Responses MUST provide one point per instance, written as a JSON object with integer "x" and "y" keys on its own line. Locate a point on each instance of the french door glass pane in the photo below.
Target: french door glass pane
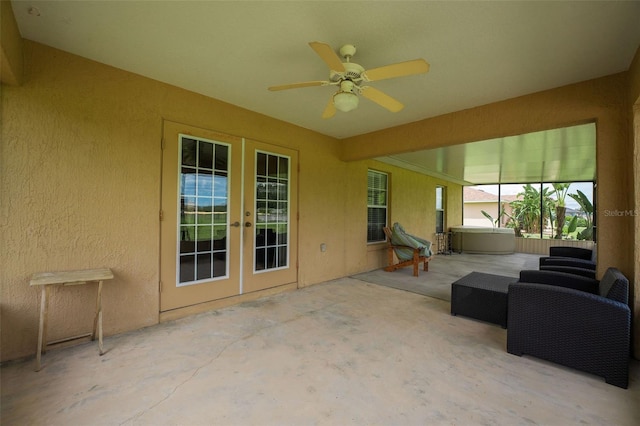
{"x": 203, "y": 208}
{"x": 272, "y": 212}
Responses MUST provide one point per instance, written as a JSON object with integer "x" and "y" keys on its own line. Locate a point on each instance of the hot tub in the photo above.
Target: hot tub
{"x": 483, "y": 240}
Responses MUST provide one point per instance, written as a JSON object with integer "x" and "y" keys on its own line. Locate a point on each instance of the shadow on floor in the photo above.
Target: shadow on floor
{"x": 444, "y": 270}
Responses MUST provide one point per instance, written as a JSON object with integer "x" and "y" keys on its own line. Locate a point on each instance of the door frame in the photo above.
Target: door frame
{"x": 246, "y": 287}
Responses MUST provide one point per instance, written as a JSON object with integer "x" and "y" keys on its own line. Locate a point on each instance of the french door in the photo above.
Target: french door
{"x": 228, "y": 216}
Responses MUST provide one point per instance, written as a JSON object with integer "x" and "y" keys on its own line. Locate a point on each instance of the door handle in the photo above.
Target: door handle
{"x": 235, "y": 224}
{"x": 247, "y": 224}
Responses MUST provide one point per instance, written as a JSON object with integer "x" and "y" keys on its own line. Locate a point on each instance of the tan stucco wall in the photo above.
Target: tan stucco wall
{"x": 80, "y": 183}
{"x": 411, "y": 203}
{"x": 634, "y": 103}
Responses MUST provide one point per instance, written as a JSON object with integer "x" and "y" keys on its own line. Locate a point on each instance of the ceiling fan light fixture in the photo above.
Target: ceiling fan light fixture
{"x": 345, "y": 101}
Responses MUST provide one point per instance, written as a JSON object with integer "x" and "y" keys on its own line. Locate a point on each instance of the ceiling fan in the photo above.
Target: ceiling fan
{"x": 349, "y": 76}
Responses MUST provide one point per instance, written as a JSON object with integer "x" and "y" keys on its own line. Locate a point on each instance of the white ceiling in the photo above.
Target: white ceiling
{"x": 480, "y": 52}
{"x": 558, "y": 155}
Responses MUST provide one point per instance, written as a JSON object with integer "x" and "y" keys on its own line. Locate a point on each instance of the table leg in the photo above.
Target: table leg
{"x": 42, "y": 331}
{"x": 97, "y": 321}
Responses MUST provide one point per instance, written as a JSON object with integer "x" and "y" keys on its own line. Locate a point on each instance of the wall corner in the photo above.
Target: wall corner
{"x": 11, "y": 49}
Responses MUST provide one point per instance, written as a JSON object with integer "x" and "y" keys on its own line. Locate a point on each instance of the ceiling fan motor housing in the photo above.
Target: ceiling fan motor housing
{"x": 347, "y": 86}
{"x": 352, "y": 71}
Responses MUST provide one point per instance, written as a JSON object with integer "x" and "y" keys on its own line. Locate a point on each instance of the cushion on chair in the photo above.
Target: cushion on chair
{"x": 567, "y": 261}
{"x": 589, "y": 273}
{"x": 615, "y": 286}
{"x": 426, "y": 243}
{"x": 398, "y": 228}
{"x": 560, "y": 279}
{"x": 400, "y": 238}
{"x": 574, "y": 252}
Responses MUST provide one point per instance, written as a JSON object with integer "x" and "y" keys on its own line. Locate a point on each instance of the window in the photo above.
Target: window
{"x": 377, "y": 190}
{"x": 272, "y": 211}
{"x": 204, "y": 186}
{"x": 551, "y": 210}
{"x": 440, "y": 193}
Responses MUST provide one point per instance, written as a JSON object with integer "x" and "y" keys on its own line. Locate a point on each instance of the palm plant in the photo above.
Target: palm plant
{"x": 531, "y": 207}
{"x": 560, "y": 189}
{"x": 494, "y": 222}
{"x": 513, "y": 221}
{"x": 587, "y": 208}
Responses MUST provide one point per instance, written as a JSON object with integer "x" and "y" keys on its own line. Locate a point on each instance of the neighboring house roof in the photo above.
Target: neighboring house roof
{"x": 472, "y": 195}
{"x": 510, "y": 197}
{"x": 477, "y": 195}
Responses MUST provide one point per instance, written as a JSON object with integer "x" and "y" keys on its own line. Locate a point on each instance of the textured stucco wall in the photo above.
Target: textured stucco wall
{"x": 412, "y": 203}
{"x": 80, "y": 184}
{"x": 79, "y": 167}
{"x": 636, "y": 287}
{"x": 634, "y": 111}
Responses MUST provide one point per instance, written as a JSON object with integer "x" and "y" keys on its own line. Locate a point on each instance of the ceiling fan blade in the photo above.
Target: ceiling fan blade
{"x": 299, "y": 85}
{"x": 328, "y": 55}
{"x": 330, "y": 110}
{"x": 401, "y": 69}
{"x": 381, "y": 98}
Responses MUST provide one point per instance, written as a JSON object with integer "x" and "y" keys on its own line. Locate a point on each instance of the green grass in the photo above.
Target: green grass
{"x": 571, "y": 236}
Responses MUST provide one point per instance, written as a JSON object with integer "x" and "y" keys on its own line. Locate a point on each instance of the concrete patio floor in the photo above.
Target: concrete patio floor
{"x": 341, "y": 352}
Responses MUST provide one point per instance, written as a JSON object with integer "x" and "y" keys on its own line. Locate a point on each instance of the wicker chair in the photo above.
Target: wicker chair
{"x": 570, "y": 256}
{"x": 557, "y": 317}
{"x": 574, "y": 260}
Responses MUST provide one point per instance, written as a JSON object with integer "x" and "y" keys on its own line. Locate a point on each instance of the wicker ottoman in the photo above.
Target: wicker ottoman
{"x": 481, "y": 296}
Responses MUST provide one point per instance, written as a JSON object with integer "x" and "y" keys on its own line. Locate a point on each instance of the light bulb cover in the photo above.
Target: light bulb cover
{"x": 345, "y": 101}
